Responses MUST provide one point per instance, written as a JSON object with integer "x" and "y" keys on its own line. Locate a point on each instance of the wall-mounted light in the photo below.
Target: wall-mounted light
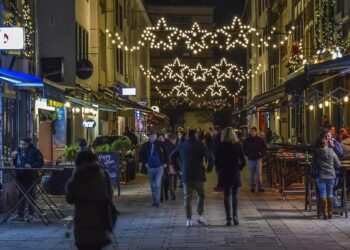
{"x": 326, "y": 103}
{"x": 67, "y": 105}
{"x": 320, "y": 105}
{"x": 346, "y": 99}
{"x": 278, "y": 118}
{"x": 311, "y": 107}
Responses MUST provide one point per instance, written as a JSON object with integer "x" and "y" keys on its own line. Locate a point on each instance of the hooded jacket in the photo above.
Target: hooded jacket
{"x": 88, "y": 190}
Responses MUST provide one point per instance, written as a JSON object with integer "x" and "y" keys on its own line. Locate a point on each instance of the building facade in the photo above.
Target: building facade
{"x": 290, "y": 91}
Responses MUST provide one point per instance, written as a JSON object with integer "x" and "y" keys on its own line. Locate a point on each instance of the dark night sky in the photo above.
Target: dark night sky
{"x": 225, "y": 10}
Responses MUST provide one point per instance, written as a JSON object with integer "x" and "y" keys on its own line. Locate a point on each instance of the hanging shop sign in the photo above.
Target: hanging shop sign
{"x": 89, "y": 124}
{"x": 55, "y": 104}
{"x": 84, "y": 69}
{"x": 128, "y": 91}
{"x": 11, "y": 38}
{"x": 52, "y": 68}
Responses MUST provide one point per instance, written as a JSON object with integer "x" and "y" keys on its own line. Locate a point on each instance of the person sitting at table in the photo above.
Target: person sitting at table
{"x": 326, "y": 161}
{"x": 27, "y": 156}
{"x": 346, "y": 145}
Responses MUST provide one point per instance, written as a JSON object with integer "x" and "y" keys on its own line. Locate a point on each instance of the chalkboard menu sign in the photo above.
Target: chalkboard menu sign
{"x": 110, "y": 162}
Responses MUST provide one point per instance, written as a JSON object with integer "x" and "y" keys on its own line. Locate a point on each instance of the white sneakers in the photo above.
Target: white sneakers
{"x": 200, "y": 220}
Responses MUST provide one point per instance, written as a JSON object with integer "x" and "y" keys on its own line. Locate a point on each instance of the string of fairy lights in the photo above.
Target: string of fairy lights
{"x": 165, "y": 37}
{"x": 178, "y": 72}
{"x": 16, "y": 19}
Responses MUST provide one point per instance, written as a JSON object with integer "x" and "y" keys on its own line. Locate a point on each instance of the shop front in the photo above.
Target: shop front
{"x": 266, "y": 111}
{"x": 322, "y": 92}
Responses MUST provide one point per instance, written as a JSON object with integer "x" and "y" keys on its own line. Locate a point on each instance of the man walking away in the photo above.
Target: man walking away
{"x": 154, "y": 157}
{"x": 172, "y": 169}
{"x": 191, "y": 153}
{"x": 27, "y": 156}
{"x": 255, "y": 149}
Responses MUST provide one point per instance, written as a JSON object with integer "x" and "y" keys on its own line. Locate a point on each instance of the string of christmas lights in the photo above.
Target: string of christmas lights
{"x": 180, "y": 72}
{"x": 15, "y": 19}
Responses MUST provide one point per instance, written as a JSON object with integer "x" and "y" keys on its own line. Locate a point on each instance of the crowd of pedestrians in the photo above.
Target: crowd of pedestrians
{"x": 180, "y": 159}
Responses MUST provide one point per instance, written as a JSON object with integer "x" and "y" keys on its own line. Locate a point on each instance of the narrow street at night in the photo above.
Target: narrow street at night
{"x": 266, "y": 222}
{"x": 174, "y": 124}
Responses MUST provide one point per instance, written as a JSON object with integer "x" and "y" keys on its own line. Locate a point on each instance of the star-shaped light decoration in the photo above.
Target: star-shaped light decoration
{"x": 196, "y": 38}
{"x": 199, "y": 73}
{"x": 216, "y": 89}
{"x": 176, "y": 70}
{"x": 182, "y": 89}
{"x": 161, "y": 36}
{"x": 236, "y": 34}
{"x": 222, "y": 70}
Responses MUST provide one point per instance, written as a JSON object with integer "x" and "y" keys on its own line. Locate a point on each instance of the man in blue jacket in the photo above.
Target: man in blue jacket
{"x": 191, "y": 153}
{"x": 154, "y": 157}
{"x": 27, "y": 156}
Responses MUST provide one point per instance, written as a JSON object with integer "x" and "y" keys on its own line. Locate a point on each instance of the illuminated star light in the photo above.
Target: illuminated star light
{"x": 199, "y": 73}
{"x": 176, "y": 70}
{"x": 182, "y": 90}
{"x": 216, "y": 89}
{"x": 223, "y": 69}
{"x": 195, "y": 38}
{"x": 169, "y": 33}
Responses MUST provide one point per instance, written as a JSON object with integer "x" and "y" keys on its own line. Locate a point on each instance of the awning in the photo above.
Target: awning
{"x": 93, "y": 104}
{"x": 55, "y": 91}
{"x": 19, "y": 79}
{"x": 267, "y": 97}
{"x": 312, "y": 74}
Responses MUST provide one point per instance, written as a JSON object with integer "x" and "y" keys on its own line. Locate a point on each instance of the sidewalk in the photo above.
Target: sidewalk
{"x": 266, "y": 222}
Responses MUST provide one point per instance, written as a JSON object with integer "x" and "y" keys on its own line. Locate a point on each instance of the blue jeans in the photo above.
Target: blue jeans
{"x": 155, "y": 176}
{"x": 325, "y": 187}
{"x": 255, "y": 167}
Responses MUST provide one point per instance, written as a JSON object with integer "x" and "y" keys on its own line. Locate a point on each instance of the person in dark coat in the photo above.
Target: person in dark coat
{"x": 172, "y": 168}
{"x": 131, "y": 135}
{"x": 191, "y": 153}
{"x": 255, "y": 149}
{"x": 27, "y": 156}
{"x": 215, "y": 146}
{"x": 154, "y": 158}
{"x": 230, "y": 161}
{"x": 89, "y": 189}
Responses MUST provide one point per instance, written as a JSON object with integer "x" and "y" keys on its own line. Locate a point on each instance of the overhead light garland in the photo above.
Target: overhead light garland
{"x": 179, "y": 72}
{"x": 183, "y": 90}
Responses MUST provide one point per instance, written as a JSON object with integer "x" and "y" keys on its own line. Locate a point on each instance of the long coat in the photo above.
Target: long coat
{"x": 229, "y": 161}
{"x": 88, "y": 190}
{"x": 191, "y": 153}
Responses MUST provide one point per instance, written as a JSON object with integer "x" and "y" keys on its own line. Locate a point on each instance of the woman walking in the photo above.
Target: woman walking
{"x": 229, "y": 161}
{"x": 89, "y": 189}
{"x": 326, "y": 162}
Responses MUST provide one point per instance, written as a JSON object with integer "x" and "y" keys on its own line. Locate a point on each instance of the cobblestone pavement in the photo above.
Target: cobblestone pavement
{"x": 266, "y": 222}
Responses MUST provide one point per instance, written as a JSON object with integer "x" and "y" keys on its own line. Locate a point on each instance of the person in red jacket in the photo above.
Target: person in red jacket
{"x": 255, "y": 149}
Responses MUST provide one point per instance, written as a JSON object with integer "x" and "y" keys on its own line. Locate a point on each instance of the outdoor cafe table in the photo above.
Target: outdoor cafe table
{"x": 39, "y": 193}
{"x": 290, "y": 172}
